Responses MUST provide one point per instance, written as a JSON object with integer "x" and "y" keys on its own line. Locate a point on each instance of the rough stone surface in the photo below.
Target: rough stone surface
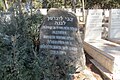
{"x": 60, "y": 37}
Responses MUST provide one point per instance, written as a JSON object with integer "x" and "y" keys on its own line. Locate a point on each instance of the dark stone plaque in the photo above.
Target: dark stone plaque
{"x": 59, "y": 36}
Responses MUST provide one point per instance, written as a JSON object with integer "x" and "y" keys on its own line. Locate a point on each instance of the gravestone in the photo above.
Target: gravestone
{"x": 114, "y": 25}
{"x": 43, "y": 11}
{"x": 60, "y": 37}
{"x": 93, "y": 29}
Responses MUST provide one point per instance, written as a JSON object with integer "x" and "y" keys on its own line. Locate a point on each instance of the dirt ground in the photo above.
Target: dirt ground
{"x": 96, "y": 73}
{"x": 91, "y": 72}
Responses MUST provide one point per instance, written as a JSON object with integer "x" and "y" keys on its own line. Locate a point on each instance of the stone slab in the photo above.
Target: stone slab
{"x": 106, "y": 53}
{"x": 107, "y": 74}
{"x": 93, "y": 27}
{"x": 114, "y": 25}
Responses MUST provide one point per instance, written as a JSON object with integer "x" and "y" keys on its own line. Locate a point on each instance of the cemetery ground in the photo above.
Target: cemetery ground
{"x": 95, "y": 71}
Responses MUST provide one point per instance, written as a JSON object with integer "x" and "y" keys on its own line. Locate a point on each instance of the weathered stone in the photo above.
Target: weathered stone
{"x": 114, "y": 26}
{"x": 60, "y": 37}
{"x": 93, "y": 27}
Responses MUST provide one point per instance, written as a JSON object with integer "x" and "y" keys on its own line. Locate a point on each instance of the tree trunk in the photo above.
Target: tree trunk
{"x": 65, "y": 3}
{"x": 44, "y": 4}
{"x": 19, "y": 7}
{"x": 83, "y": 8}
{"x": 5, "y": 4}
{"x": 73, "y": 5}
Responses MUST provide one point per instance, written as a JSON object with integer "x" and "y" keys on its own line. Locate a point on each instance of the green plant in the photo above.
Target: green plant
{"x": 17, "y": 58}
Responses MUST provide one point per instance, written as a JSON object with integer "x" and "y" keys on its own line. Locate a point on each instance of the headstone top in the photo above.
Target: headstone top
{"x": 95, "y": 12}
{"x": 60, "y": 15}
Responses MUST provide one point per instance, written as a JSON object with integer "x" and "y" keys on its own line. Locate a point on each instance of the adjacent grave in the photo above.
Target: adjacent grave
{"x": 105, "y": 54}
{"x": 60, "y": 37}
{"x": 114, "y": 25}
{"x": 93, "y": 27}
